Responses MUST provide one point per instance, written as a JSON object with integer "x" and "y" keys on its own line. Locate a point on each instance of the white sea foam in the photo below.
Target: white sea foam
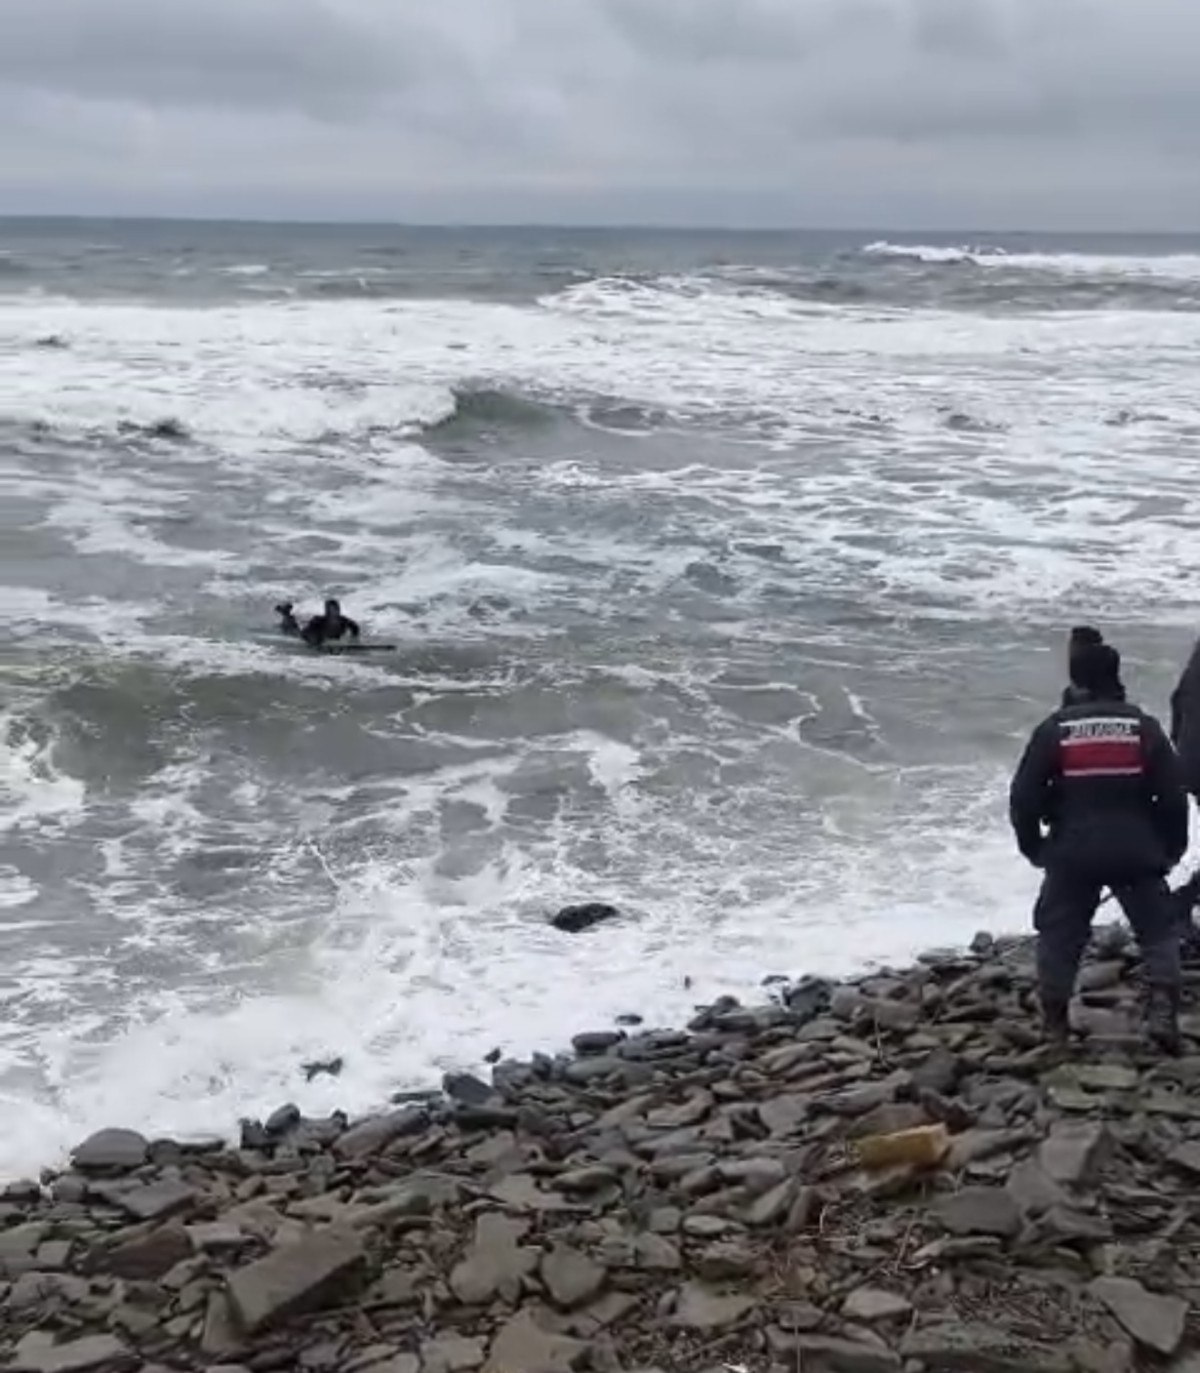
{"x": 1024, "y": 466}
{"x": 1167, "y": 266}
{"x": 1027, "y": 421}
{"x": 419, "y": 969}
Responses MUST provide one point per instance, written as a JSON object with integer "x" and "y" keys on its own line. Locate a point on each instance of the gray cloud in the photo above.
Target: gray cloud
{"x": 814, "y": 111}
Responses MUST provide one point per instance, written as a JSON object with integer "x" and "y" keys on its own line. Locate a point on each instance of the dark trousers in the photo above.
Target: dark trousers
{"x": 1063, "y": 917}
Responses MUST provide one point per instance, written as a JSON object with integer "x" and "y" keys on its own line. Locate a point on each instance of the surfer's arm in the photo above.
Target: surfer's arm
{"x": 351, "y": 625}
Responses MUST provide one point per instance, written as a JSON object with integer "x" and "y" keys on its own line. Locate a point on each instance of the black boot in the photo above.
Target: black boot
{"x": 1162, "y": 1019}
{"x": 1056, "y": 1023}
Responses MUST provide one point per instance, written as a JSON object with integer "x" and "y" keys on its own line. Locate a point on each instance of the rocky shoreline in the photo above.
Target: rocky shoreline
{"x": 887, "y": 1175}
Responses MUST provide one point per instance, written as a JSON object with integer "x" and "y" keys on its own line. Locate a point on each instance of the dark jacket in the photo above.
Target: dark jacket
{"x": 1102, "y": 778}
{"x": 320, "y": 631}
{"x": 1185, "y": 722}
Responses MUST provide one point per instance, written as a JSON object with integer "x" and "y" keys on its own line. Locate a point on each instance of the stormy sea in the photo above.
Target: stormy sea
{"x": 727, "y": 574}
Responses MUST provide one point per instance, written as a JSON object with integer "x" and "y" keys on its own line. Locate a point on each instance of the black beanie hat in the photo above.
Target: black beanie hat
{"x": 1097, "y": 668}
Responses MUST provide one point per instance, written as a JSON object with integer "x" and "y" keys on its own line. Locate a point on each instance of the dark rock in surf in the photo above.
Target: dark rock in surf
{"x": 576, "y": 919}
{"x": 331, "y": 1067}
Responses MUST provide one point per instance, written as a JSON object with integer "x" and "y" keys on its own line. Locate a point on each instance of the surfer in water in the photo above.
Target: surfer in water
{"x": 288, "y": 624}
{"x": 329, "y": 626}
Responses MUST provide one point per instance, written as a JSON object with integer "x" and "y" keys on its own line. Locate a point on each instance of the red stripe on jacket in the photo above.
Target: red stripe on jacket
{"x": 1102, "y": 757}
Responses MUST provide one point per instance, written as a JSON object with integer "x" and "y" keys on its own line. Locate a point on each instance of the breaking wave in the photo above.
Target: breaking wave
{"x": 1179, "y": 267}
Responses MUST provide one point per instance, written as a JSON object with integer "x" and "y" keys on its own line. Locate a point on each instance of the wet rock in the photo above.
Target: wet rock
{"x": 375, "y": 1134}
{"x": 596, "y": 1041}
{"x": 147, "y": 1201}
{"x": 979, "y": 1211}
{"x": 495, "y": 1264}
{"x": 808, "y": 998}
{"x": 524, "y": 1346}
{"x": 467, "y": 1089}
{"x": 703, "y": 1309}
{"x": 575, "y": 919}
{"x": 1157, "y": 1322}
{"x": 571, "y": 1278}
{"x": 111, "y": 1151}
{"x": 868, "y": 1305}
{"x": 294, "y": 1278}
{"x": 284, "y": 1119}
{"x": 37, "y": 1353}
{"x": 1074, "y": 1152}
{"x": 328, "y": 1067}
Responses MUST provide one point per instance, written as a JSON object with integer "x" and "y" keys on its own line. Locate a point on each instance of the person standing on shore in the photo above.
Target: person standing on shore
{"x": 1185, "y": 735}
{"x": 1081, "y": 639}
{"x": 1098, "y": 800}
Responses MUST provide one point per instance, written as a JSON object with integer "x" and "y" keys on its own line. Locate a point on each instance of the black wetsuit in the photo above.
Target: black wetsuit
{"x": 288, "y": 624}
{"x": 1103, "y": 779}
{"x": 320, "y": 630}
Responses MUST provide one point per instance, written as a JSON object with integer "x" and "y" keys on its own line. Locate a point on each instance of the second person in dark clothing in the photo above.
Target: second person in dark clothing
{"x": 1098, "y": 801}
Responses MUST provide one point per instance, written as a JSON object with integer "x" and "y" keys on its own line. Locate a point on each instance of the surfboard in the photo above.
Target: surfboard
{"x": 352, "y": 647}
{"x": 336, "y": 647}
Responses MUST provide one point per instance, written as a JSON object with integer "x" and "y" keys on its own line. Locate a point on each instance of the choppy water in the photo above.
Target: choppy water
{"x": 728, "y": 573}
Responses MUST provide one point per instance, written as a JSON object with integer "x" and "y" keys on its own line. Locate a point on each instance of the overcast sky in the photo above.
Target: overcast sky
{"x": 888, "y": 113}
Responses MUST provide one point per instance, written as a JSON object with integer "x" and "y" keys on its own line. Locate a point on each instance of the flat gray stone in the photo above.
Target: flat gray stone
{"x": 691, "y": 1112}
{"x": 979, "y": 1211}
{"x": 958, "y": 1347}
{"x": 523, "y": 1346}
{"x": 700, "y": 1308}
{"x": 772, "y": 1206}
{"x": 374, "y": 1135}
{"x": 1032, "y": 1190}
{"x": 570, "y": 1277}
{"x": 844, "y": 1356}
{"x": 37, "y": 1353}
{"x": 757, "y": 1175}
{"x": 293, "y": 1278}
{"x": 452, "y": 1354}
{"x": 145, "y": 1257}
{"x": 1107, "y": 1077}
{"x": 1153, "y": 1320}
{"x": 871, "y": 1304}
{"x": 783, "y": 1115}
{"x": 18, "y": 1247}
{"x": 1186, "y": 1158}
{"x": 656, "y": 1254}
{"x": 147, "y": 1201}
{"x": 1074, "y": 1152}
{"x": 34, "y": 1288}
{"x": 117, "y": 1151}
{"x": 495, "y": 1264}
